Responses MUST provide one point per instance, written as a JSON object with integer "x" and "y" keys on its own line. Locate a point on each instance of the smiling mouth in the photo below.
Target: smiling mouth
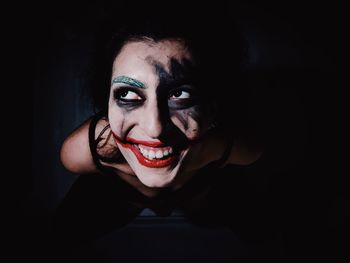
{"x": 150, "y": 154}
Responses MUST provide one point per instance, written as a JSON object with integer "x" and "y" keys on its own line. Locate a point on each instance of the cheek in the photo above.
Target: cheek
{"x": 189, "y": 121}
{"x": 117, "y": 119}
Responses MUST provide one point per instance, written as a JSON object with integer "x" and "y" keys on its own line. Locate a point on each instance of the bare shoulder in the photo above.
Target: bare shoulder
{"x": 75, "y": 152}
{"x": 245, "y": 152}
{"x": 243, "y": 149}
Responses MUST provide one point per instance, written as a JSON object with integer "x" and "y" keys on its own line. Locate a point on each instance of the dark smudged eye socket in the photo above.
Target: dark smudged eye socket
{"x": 182, "y": 98}
{"x": 127, "y": 95}
{"x": 179, "y": 98}
{"x": 182, "y": 92}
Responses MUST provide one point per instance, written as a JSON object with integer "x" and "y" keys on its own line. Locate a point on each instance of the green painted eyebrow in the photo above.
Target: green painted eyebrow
{"x": 129, "y": 81}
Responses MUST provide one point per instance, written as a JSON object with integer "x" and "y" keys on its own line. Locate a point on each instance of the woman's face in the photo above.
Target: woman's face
{"x": 155, "y": 110}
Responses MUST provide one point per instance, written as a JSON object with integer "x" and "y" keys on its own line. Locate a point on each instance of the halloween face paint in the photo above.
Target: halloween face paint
{"x": 154, "y": 109}
{"x": 184, "y": 103}
{"x": 150, "y": 154}
{"x": 129, "y": 81}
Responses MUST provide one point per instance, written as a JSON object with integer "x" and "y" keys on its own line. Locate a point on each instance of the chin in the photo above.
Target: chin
{"x": 155, "y": 180}
{"x": 155, "y": 177}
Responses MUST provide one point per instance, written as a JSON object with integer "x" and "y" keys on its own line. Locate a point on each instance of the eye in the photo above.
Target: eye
{"x": 127, "y": 95}
{"x": 180, "y": 94}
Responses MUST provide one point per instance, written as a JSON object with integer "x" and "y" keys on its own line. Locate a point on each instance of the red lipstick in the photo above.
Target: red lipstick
{"x": 131, "y": 144}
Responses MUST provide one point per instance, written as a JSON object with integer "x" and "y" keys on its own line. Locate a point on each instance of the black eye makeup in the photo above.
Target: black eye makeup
{"x": 128, "y": 96}
{"x": 182, "y": 97}
{"x": 178, "y": 98}
{"x": 182, "y": 92}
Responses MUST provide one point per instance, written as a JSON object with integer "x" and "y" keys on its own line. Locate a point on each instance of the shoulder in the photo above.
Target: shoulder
{"x": 245, "y": 151}
{"x": 75, "y": 152}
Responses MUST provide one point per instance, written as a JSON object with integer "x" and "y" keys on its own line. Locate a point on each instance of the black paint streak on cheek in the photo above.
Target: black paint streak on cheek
{"x": 181, "y": 117}
{"x": 195, "y": 115}
{"x": 184, "y": 115}
{"x": 127, "y": 110}
{"x": 123, "y": 133}
{"x": 194, "y": 112}
{"x": 125, "y": 117}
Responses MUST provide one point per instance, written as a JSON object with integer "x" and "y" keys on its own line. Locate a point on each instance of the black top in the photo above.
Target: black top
{"x": 233, "y": 197}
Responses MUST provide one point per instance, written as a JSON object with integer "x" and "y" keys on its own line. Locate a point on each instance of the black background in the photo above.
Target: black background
{"x": 310, "y": 35}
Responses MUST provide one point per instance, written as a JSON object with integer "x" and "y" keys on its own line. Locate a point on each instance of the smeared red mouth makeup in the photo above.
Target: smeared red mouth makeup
{"x": 150, "y": 154}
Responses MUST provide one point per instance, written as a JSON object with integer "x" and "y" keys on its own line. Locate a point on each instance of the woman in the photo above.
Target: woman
{"x": 173, "y": 130}
{"x": 168, "y": 109}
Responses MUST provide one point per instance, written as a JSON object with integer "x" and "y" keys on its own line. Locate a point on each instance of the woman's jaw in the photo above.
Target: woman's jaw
{"x": 155, "y": 164}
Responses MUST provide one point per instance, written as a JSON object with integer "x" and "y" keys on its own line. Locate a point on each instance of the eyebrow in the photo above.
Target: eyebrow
{"x": 130, "y": 81}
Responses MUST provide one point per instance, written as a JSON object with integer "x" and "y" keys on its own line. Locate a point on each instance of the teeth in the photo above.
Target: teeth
{"x": 150, "y": 154}
{"x": 159, "y": 154}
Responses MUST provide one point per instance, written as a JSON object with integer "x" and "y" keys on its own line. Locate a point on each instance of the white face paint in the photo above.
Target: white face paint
{"x": 155, "y": 127}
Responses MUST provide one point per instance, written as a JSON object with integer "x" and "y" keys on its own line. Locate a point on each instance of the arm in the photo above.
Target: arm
{"x": 227, "y": 147}
{"x": 76, "y": 155}
{"x": 245, "y": 151}
{"x": 75, "y": 151}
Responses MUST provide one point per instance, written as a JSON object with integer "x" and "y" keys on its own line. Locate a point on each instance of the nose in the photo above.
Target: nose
{"x": 152, "y": 123}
